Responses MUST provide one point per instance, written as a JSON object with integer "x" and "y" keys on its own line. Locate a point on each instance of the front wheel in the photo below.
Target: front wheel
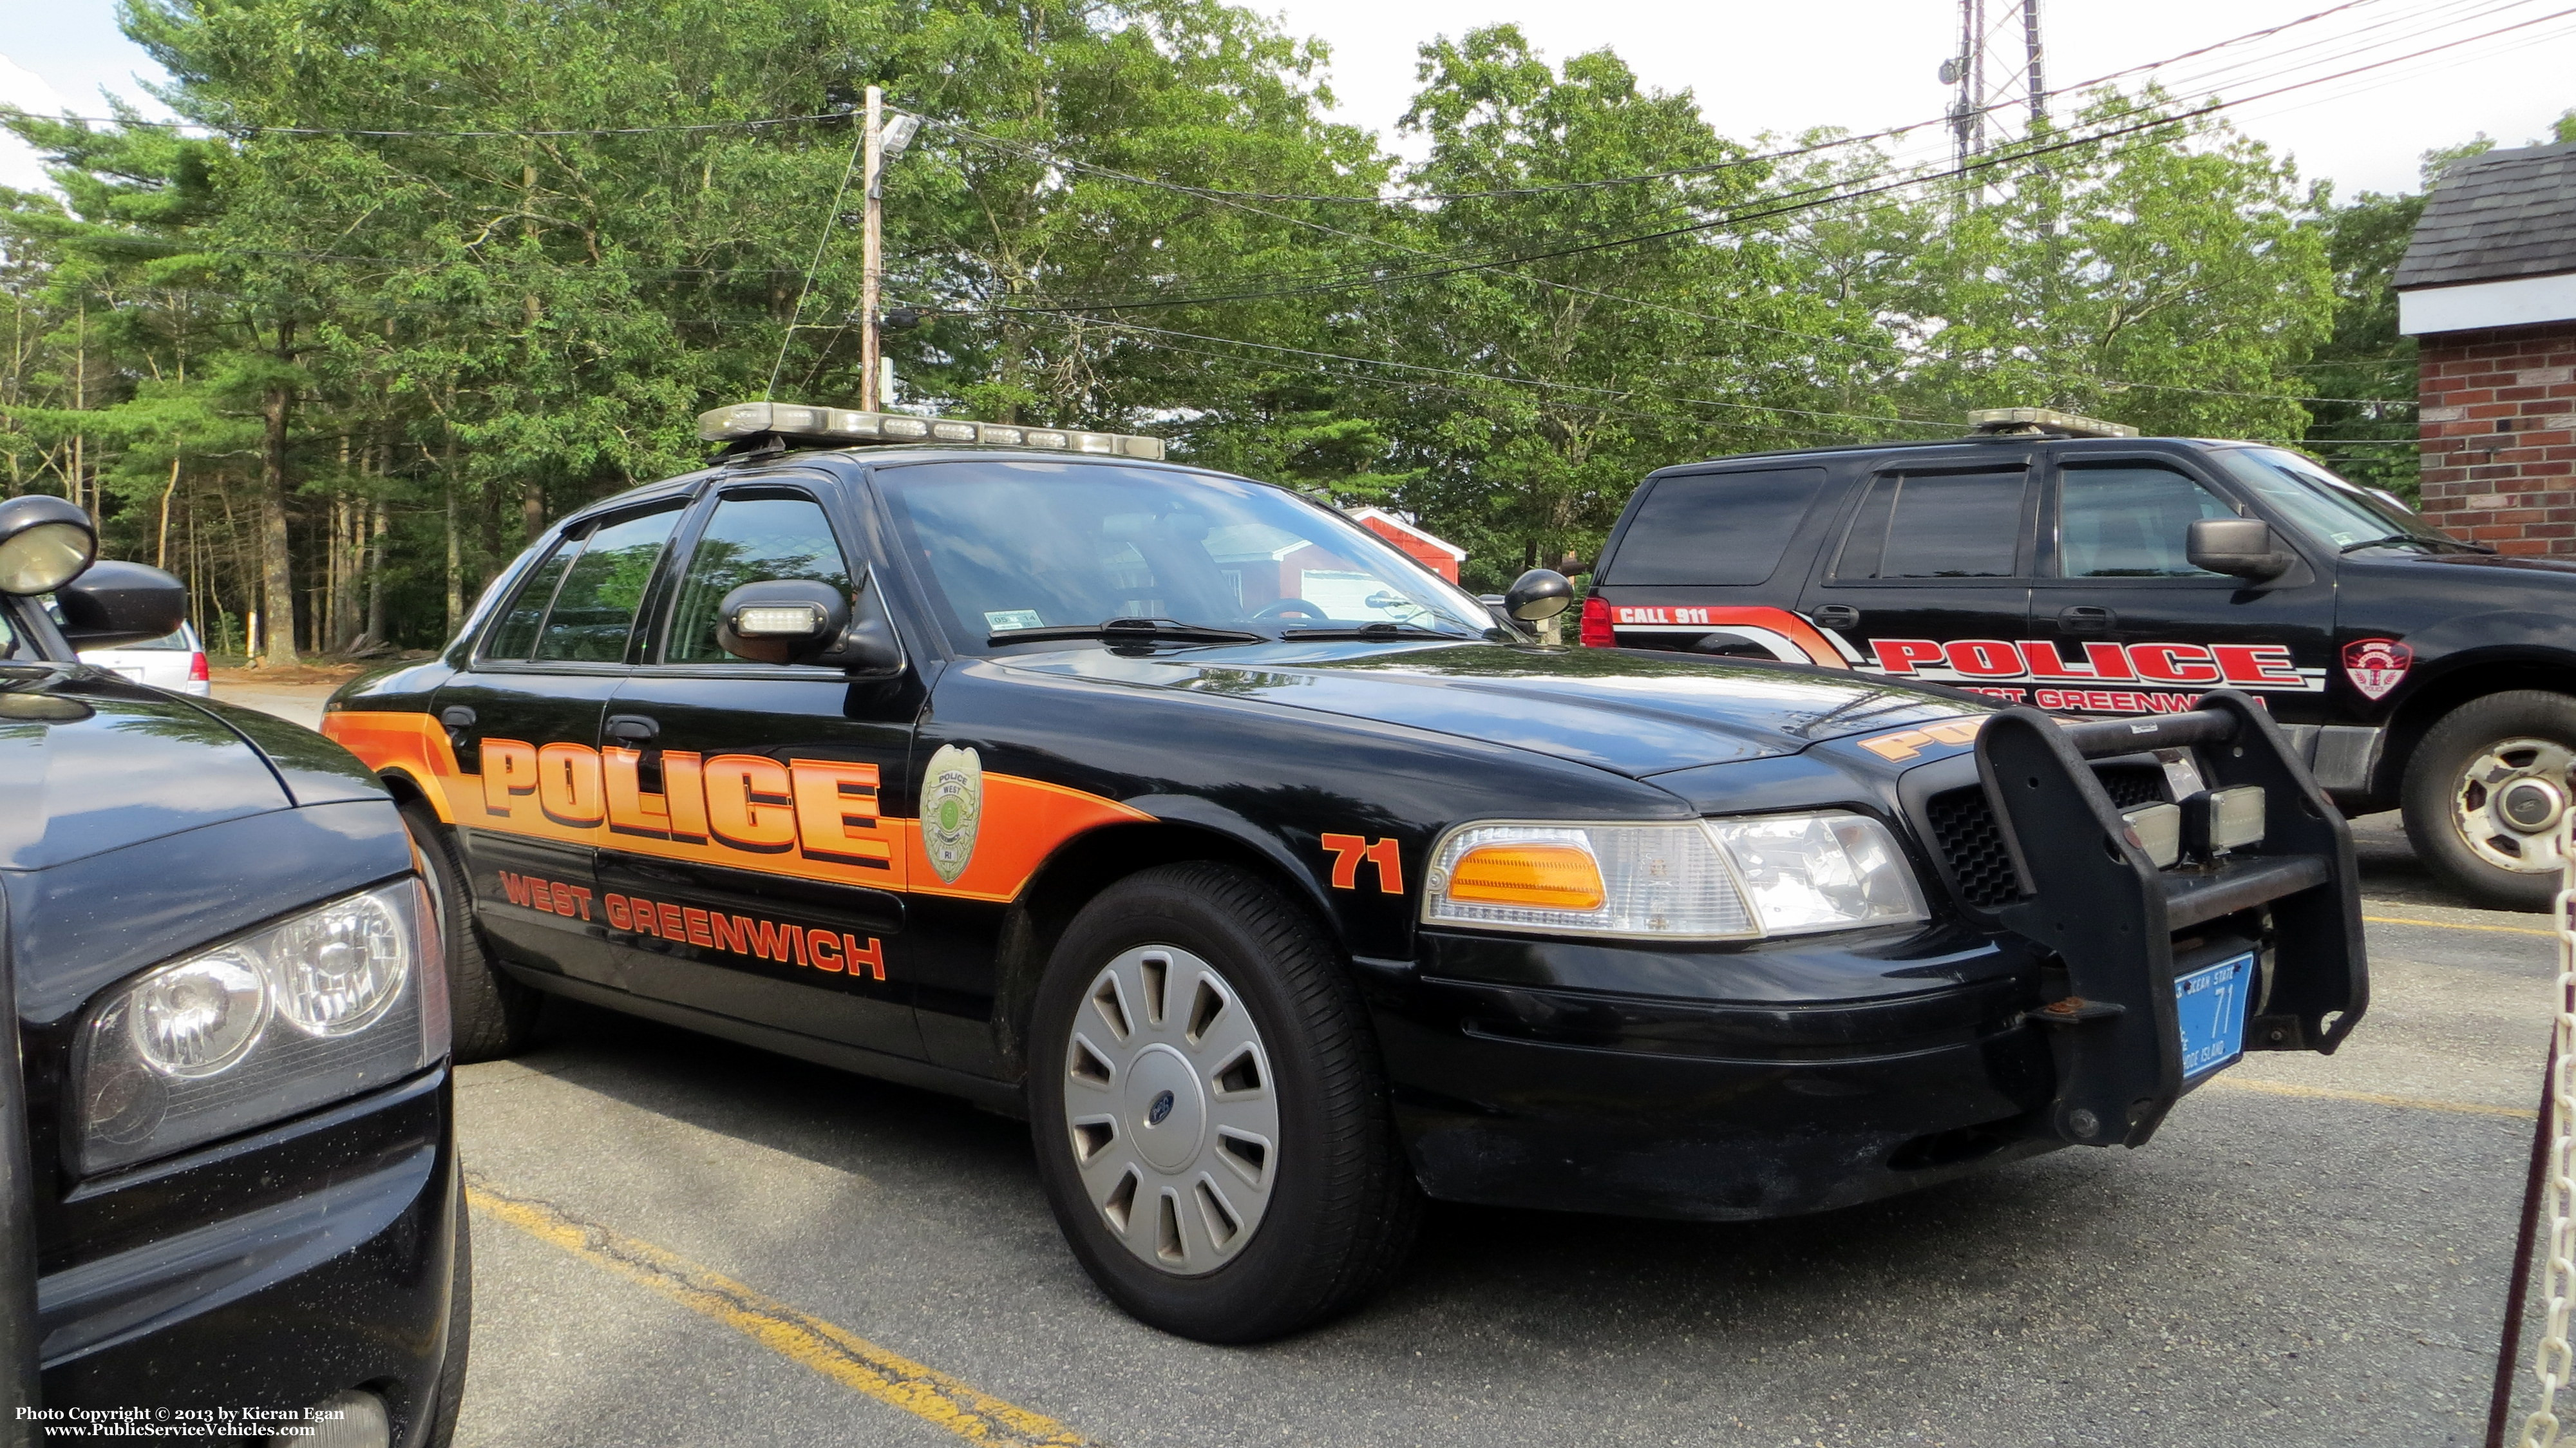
{"x": 1211, "y": 1124}
{"x": 2487, "y": 794}
{"x": 494, "y": 1015}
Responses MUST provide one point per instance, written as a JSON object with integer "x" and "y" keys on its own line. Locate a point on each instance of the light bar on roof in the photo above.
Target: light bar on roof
{"x": 841, "y": 426}
{"x": 2045, "y": 419}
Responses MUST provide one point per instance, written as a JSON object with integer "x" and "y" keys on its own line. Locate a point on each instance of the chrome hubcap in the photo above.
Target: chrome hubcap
{"x": 2511, "y": 802}
{"x": 1174, "y": 1119}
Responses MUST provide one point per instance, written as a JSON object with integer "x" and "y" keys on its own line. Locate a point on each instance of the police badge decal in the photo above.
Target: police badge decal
{"x": 952, "y": 802}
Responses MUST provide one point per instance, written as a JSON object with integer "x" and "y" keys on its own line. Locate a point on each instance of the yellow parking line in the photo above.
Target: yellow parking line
{"x": 2458, "y": 925}
{"x": 2371, "y": 1098}
{"x": 835, "y": 1352}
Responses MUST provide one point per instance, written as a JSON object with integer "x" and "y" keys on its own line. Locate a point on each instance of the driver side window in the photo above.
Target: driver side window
{"x": 2130, "y": 522}
{"x": 749, "y": 539}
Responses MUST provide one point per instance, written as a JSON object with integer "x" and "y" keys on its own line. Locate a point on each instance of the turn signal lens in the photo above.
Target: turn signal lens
{"x": 1549, "y": 877}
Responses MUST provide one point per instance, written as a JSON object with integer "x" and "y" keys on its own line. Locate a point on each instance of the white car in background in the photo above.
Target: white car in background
{"x": 174, "y": 661}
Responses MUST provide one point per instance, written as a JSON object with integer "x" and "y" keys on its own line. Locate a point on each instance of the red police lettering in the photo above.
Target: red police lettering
{"x": 1986, "y": 658}
{"x": 2109, "y": 661}
{"x": 2257, "y": 664}
{"x": 2042, "y": 656}
{"x": 2173, "y": 663}
{"x": 1901, "y": 656}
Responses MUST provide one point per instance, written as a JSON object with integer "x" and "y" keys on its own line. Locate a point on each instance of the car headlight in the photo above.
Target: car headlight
{"x": 325, "y": 1004}
{"x": 1722, "y": 879}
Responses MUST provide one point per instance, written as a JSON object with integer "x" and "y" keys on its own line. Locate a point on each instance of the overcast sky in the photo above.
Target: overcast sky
{"x": 1861, "y": 64}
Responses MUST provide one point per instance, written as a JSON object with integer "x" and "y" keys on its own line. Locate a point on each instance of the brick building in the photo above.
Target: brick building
{"x": 2488, "y": 290}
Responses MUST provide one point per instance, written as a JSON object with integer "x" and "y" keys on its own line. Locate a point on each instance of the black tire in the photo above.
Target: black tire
{"x": 2436, "y": 775}
{"x": 493, "y": 1013}
{"x": 1343, "y": 1205}
{"x": 449, "y": 1397}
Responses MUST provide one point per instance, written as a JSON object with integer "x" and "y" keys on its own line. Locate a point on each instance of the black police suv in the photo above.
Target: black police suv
{"x": 1280, "y": 883}
{"x": 2071, "y": 565}
{"x": 229, "y": 1202}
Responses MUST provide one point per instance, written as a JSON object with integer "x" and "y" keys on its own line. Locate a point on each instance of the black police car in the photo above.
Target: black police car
{"x": 1280, "y": 882}
{"x": 228, "y": 1188}
{"x": 2072, "y": 565}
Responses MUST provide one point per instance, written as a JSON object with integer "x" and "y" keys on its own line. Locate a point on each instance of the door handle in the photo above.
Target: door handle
{"x": 639, "y": 733}
{"x": 2086, "y": 618}
{"x": 457, "y": 719}
{"x": 1838, "y": 615}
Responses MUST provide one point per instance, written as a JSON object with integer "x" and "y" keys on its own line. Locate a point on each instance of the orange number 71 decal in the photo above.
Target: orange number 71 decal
{"x": 1349, "y": 851}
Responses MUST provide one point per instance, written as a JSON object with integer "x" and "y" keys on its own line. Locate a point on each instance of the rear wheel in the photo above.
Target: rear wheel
{"x": 2487, "y": 795}
{"x": 494, "y": 1014}
{"x": 1211, "y": 1124}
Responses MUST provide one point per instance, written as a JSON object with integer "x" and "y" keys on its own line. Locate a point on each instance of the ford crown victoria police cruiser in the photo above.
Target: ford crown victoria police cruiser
{"x": 1280, "y": 883}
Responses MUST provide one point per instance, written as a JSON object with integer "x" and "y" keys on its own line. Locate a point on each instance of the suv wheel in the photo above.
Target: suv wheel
{"x": 1211, "y": 1124}
{"x": 493, "y": 1013}
{"x": 2487, "y": 795}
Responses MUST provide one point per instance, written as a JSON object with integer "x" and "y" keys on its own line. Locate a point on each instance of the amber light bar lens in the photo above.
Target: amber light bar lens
{"x": 1546, "y": 877}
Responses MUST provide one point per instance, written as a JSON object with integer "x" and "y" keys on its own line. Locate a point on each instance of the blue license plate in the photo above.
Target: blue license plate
{"x": 2209, "y": 1005}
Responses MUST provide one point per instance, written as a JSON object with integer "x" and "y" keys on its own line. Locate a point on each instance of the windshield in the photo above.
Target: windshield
{"x": 2334, "y": 512}
{"x": 1040, "y": 544}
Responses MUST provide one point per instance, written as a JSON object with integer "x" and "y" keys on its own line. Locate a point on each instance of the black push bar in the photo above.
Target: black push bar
{"x": 2092, "y": 897}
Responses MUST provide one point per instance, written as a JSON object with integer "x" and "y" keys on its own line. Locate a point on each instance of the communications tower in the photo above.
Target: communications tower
{"x": 1996, "y": 72}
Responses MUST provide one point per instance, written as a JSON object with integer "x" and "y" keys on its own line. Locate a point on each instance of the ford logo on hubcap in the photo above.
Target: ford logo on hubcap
{"x": 1161, "y": 1108}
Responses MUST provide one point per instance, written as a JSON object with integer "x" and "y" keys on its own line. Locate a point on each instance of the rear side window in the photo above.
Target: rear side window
{"x": 1715, "y": 527}
{"x": 594, "y": 610}
{"x": 515, "y": 637}
{"x": 1936, "y": 525}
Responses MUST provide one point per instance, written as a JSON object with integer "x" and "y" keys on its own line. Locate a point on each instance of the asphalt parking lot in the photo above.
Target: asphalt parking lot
{"x": 681, "y": 1241}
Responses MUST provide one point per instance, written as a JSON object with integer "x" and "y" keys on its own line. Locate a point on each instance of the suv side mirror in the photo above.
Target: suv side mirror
{"x": 113, "y": 603}
{"x": 2243, "y": 547}
{"x": 1541, "y": 593}
{"x": 802, "y": 621}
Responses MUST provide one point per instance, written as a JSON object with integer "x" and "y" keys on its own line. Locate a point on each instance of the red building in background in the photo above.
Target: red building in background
{"x": 1437, "y": 554}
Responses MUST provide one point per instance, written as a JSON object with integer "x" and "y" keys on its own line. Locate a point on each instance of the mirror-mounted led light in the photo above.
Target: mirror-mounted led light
{"x": 45, "y": 542}
{"x": 840, "y": 426}
{"x": 2156, "y": 829}
{"x": 778, "y": 620}
{"x": 2227, "y": 819}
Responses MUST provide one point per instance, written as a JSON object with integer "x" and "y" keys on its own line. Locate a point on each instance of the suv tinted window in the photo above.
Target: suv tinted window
{"x": 2130, "y": 521}
{"x": 1715, "y": 527}
{"x": 516, "y": 635}
{"x": 1936, "y": 525}
{"x": 594, "y": 610}
{"x": 750, "y": 540}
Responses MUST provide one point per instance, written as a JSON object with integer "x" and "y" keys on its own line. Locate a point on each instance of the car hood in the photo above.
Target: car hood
{"x": 91, "y": 762}
{"x": 1630, "y": 712}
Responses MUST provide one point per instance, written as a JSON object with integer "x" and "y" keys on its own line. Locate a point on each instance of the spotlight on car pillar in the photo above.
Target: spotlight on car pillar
{"x": 45, "y": 542}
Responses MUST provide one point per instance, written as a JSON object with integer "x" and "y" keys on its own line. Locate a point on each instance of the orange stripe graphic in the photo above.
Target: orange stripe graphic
{"x": 809, "y": 819}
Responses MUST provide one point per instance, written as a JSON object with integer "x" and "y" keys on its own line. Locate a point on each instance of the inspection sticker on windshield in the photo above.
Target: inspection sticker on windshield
{"x": 1006, "y": 618}
{"x": 2209, "y": 1006}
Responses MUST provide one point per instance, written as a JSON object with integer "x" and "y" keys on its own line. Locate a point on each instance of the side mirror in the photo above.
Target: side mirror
{"x": 112, "y": 604}
{"x": 45, "y": 542}
{"x": 1541, "y": 593}
{"x": 2242, "y": 547}
{"x": 800, "y": 621}
{"x": 781, "y": 620}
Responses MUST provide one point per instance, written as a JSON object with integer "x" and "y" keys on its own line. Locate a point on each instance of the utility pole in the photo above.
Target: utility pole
{"x": 872, "y": 251}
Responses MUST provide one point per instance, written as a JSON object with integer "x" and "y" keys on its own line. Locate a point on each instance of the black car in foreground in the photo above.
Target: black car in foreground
{"x": 229, "y": 1201}
{"x": 1280, "y": 883}
{"x": 2069, "y": 564}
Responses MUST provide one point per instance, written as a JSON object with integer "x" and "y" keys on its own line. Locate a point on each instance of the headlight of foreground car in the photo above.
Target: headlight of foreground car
{"x": 1724, "y": 879}
{"x": 335, "y": 1001}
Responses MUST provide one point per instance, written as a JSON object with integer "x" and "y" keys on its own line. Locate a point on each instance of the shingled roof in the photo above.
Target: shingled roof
{"x": 2501, "y": 215}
